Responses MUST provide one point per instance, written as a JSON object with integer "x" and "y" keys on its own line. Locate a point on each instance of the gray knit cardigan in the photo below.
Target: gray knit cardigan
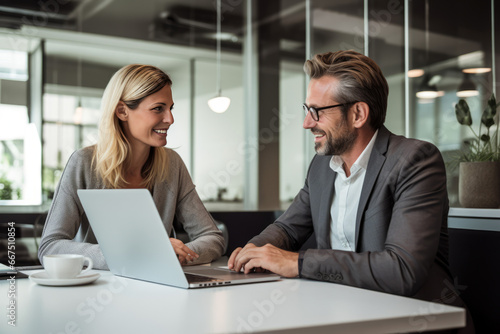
{"x": 67, "y": 229}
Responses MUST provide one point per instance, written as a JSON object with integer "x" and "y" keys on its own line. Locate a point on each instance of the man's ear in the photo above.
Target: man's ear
{"x": 121, "y": 111}
{"x": 361, "y": 114}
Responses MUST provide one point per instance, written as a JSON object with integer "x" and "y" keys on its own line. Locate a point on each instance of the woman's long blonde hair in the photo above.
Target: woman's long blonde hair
{"x": 131, "y": 84}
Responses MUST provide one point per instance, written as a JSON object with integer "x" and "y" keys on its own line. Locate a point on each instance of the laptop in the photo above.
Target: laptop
{"x": 136, "y": 245}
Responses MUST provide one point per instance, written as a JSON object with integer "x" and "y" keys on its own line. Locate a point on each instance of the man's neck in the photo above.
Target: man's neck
{"x": 350, "y": 157}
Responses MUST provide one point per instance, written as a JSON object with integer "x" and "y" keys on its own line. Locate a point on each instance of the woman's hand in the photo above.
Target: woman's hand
{"x": 183, "y": 252}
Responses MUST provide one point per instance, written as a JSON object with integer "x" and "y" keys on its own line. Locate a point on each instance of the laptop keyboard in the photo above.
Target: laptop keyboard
{"x": 197, "y": 278}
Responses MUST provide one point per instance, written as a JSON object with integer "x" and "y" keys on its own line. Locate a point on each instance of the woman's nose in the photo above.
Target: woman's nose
{"x": 168, "y": 117}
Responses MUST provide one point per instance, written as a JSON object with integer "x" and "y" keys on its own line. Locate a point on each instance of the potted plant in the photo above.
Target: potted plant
{"x": 479, "y": 170}
{"x": 5, "y": 188}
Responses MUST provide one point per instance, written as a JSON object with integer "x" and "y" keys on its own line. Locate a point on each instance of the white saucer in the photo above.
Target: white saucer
{"x": 43, "y": 279}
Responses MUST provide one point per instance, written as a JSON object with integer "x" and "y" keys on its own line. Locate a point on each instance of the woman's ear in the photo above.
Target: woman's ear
{"x": 121, "y": 111}
{"x": 361, "y": 114}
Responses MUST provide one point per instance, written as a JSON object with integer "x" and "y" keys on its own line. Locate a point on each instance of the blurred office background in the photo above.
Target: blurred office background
{"x": 57, "y": 56}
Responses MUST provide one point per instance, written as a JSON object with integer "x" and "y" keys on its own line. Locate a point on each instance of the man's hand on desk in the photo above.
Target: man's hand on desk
{"x": 267, "y": 257}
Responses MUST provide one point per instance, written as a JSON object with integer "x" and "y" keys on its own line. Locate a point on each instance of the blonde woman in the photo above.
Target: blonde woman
{"x": 136, "y": 115}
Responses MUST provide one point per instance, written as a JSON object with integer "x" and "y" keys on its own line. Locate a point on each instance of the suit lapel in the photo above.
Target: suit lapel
{"x": 323, "y": 231}
{"x": 377, "y": 159}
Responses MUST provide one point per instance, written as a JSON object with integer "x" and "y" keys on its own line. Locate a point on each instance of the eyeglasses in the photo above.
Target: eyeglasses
{"x": 314, "y": 111}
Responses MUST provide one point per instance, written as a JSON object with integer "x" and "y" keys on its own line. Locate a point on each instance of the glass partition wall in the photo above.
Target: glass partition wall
{"x": 451, "y": 57}
{"x": 20, "y": 150}
{"x": 255, "y": 155}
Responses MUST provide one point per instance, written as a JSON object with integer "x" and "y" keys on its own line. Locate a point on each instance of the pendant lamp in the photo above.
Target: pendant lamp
{"x": 467, "y": 88}
{"x": 427, "y": 90}
{"x": 219, "y": 103}
{"x": 78, "y": 114}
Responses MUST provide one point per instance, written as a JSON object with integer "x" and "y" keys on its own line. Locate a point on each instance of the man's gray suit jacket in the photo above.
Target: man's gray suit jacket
{"x": 401, "y": 223}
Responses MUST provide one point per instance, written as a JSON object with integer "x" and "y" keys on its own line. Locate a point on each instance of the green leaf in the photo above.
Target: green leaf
{"x": 463, "y": 112}
{"x": 482, "y": 147}
{"x": 488, "y": 117}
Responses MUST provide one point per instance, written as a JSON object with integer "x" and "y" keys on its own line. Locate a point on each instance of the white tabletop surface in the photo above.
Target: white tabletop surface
{"x": 119, "y": 305}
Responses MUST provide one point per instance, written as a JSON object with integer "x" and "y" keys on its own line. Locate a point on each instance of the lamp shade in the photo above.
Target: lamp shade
{"x": 415, "y": 73}
{"x": 426, "y": 90}
{"x": 467, "y": 88}
{"x": 477, "y": 70}
{"x": 78, "y": 115}
{"x": 219, "y": 104}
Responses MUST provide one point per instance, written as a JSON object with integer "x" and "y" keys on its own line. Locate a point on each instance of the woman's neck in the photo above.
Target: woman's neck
{"x": 135, "y": 164}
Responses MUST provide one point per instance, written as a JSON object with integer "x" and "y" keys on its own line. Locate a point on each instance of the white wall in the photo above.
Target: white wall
{"x": 395, "y": 118}
{"x": 218, "y": 138}
{"x": 292, "y": 96}
{"x": 179, "y": 137}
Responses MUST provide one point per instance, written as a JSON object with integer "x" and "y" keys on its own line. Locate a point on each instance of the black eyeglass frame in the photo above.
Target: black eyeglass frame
{"x": 314, "y": 111}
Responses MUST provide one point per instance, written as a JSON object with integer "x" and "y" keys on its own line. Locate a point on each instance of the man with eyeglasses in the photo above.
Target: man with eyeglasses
{"x": 377, "y": 202}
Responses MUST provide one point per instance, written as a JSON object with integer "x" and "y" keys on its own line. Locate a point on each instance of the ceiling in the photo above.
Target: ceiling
{"x": 187, "y": 22}
{"x": 453, "y": 30}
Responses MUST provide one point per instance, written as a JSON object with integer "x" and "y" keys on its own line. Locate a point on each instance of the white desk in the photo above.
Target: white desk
{"x": 118, "y": 305}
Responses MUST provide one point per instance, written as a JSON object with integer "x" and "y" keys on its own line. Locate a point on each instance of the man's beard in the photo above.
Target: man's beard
{"x": 336, "y": 146}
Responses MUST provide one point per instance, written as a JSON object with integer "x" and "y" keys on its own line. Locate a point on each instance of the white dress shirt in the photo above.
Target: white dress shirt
{"x": 346, "y": 199}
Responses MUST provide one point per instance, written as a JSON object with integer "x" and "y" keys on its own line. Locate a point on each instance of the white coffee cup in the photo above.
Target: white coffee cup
{"x": 65, "y": 266}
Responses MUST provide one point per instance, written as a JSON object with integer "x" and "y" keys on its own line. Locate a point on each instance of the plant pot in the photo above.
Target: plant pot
{"x": 479, "y": 184}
